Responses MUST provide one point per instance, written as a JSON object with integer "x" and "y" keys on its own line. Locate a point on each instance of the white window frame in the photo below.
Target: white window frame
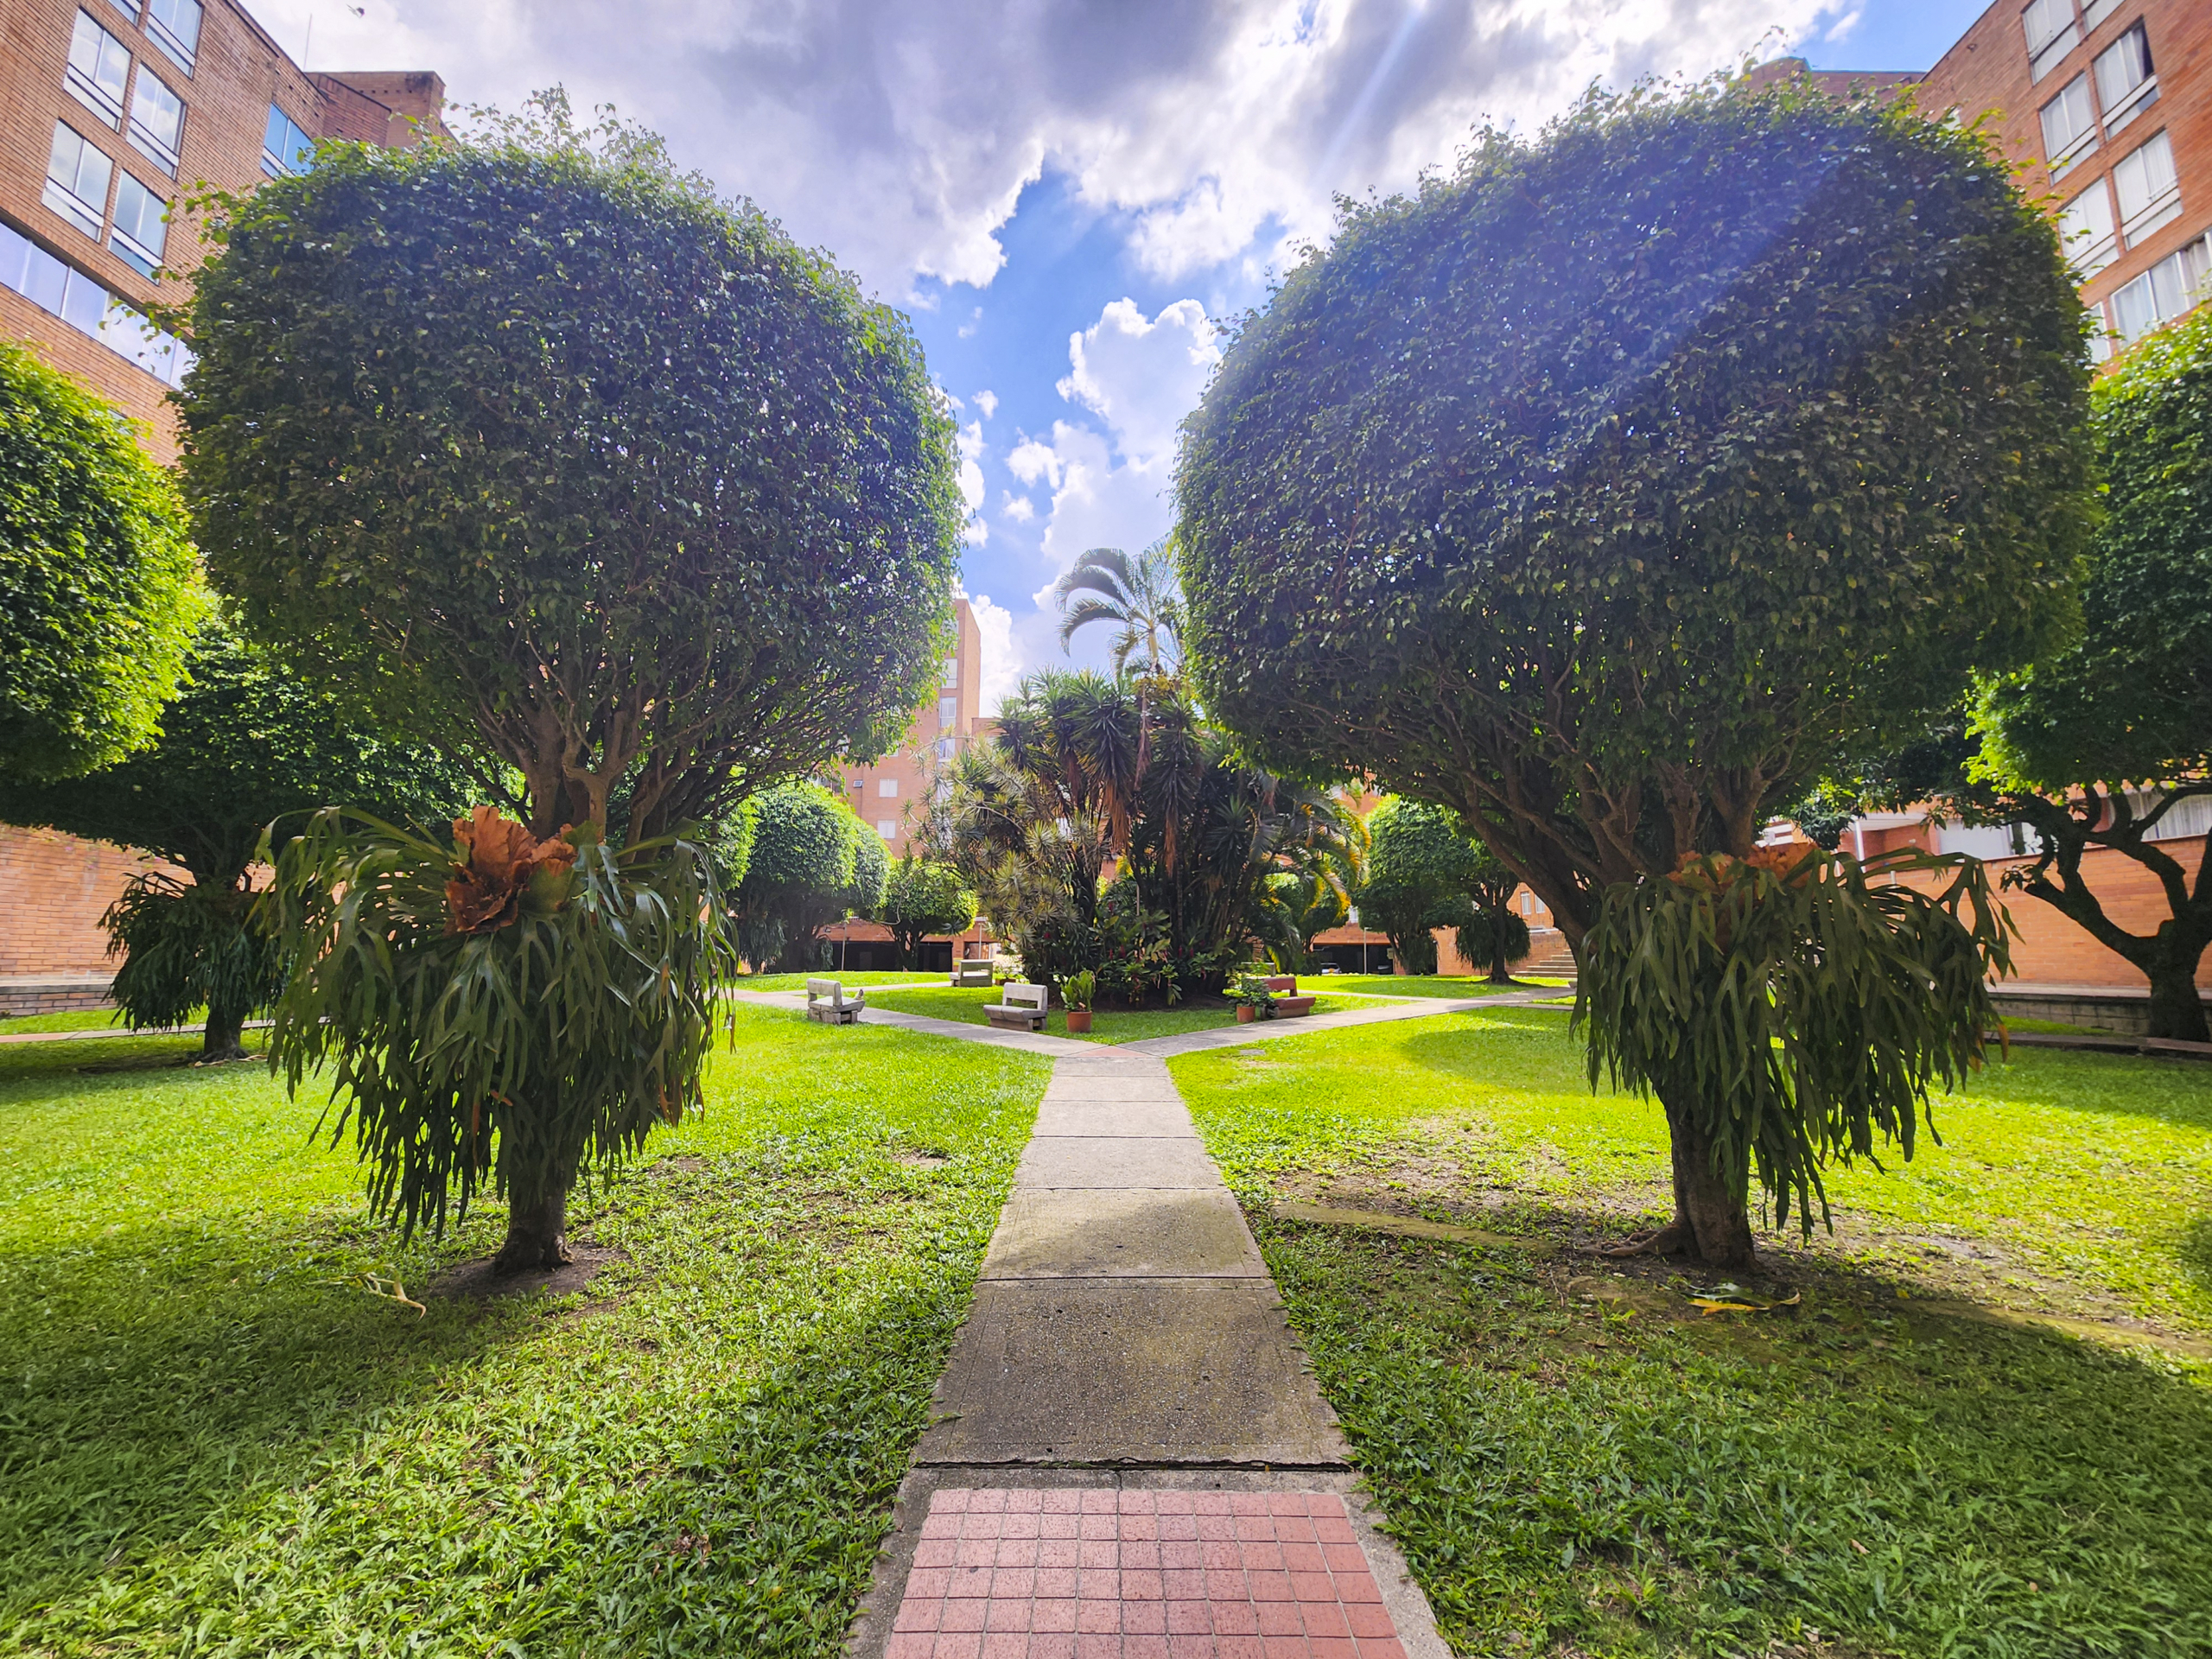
{"x": 170, "y": 33}
{"x": 951, "y": 680}
{"x": 162, "y": 152}
{"x": 66, "y": 197}
{"x": 948, "y": 710}
{"x": 2169, "y": 289}
{"x": 886, "y": 789}
{"x": 65, "y": 292}
{"x": 2094, "y": 12}
{"x": 95, "y": 55}
{"x": 887, "y": 829}
{"x": 286, "y": 164}
{"x": 2148, "y": 170}
{"x": 2067, "y": 151}
{"x": 2052, "y": 31}
{"x": 2122, "y": 104}
{"x": 131, "y": 248}
{"x": 2087, "y": 232}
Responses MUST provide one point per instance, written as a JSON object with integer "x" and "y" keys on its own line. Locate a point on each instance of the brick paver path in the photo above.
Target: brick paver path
{"x": 1023, "y": 1573}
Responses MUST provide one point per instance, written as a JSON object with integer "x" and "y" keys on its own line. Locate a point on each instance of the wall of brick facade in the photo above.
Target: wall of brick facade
{"x": 56, "y": 888}
{"x": 1987, "y": 75}
{"x": 911, "y": 770}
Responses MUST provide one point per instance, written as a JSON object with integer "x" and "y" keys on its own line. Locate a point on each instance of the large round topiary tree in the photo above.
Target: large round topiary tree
{"x": 1608, "y": 487}
{"x": 100, "y": 589}
{"x": 573, "y": 470}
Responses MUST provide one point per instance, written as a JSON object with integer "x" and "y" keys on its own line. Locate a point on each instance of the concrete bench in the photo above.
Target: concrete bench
{"x": 832, "y": 1004}
{"x": 971, "y": 973}
{"x": 1284, "y": 998}
{"x": 1022, "y": 1007}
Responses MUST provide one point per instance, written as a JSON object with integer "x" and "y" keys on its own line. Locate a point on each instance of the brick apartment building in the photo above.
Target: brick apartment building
{"x": 112, "y": 112}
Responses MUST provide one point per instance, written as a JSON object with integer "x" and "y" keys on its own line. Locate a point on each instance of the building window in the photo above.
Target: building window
{"x": 173, "y": 25}
{"x": 948, "y": 710}
{"x": 945, "y": 748}
{"x": 98, "y": 67}
{"x": 2160, "y": 293}
{"x": 887, "y": 788}
{"x": 2052, "y": 32}
{"x": 285, "y": 146}
{"x": 2126, "y": 84}
{"x": 141, "y": 225}
{"x": 887, "y": 828}
{"x": 2086, "y": 231}
{"x": 28, "y": 269}
{"x": 76, "y": 180}
{"x": 2069, "y": 127}
{"x": 951, "y": 673}
{"x": 157, "y": 120}
{"x": 2150, "y": 195}
{"x": 2094, "y": 12}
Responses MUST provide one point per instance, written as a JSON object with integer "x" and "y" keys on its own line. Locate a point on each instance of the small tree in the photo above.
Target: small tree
{"x": 1610, "y": 489}
{"x": 612, "y": 489}
{"x": 1420, "y": 873}
{"x": 813, "y": 864}
{"x": 99, "y": 592}
{"x": 919, "y": 899}
{"x": 1141, "y": 598}
{"x": 2100, "y": 744}
{"x": 243, "y": 744}
{"x": 1495, "y": 934}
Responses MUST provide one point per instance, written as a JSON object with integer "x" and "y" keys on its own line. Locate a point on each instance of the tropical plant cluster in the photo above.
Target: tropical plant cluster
{"x": 1109, "y": 827}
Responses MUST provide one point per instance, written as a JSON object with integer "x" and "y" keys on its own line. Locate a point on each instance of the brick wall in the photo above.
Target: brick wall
{"x": 1987, "y": 75}
{"x": 55, "y": 888}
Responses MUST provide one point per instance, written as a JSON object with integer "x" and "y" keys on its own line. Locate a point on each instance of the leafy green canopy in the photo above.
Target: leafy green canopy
{"x": 1607, "y": 487}
{"x": 243, "y": 746}
{"x": 2131, "y": 700}
{"x": 1420, "y": 873}
{"x": 99, "y": 591}
{"x": 569, "y": 462}
{"x": 813, "y": 862}
{"x": 920, "y": 898}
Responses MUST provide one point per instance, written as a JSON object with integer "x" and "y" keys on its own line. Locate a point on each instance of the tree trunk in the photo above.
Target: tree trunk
{"x": 219, "y": 1038}
{"x": 537, "y": 1224}
{"x": 2177, "y": 1006}
{"x": 1500, "y": 972}
{"x": 1712, "y": 1211}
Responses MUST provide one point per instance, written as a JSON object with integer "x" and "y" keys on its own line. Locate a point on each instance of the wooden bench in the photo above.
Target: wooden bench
{"x": 1283, "y": 997}
{"x": 971, "y": 972}
{"x": 1022, "y": 1008}
{"x": 832, "y": 1004}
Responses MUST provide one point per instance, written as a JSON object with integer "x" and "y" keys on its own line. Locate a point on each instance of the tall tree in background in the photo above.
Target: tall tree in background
{"x": 813, "y": 864}
{"x": 1610, "y": 488}
{"x": 2105, "y": 743}
{"x": 244, "y": 745}
{"x": 100, "y": 589}
{"x": 577, "y": 472}
{"x": 1420, "y": 873}
{"x": 1141, "y": 599}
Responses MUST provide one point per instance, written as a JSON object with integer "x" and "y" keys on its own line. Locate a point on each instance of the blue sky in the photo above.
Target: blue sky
{"x": 1068, "y": 195}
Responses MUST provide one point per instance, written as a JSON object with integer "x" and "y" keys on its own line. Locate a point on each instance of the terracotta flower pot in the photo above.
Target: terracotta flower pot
{"x": 1246, "y": 1013}
{"x": 1078, "y": 1020}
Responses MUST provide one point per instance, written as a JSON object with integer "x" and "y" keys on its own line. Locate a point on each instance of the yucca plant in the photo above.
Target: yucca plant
{"x": 501, "y": 1009}
{"x": 1786, "y": 1010}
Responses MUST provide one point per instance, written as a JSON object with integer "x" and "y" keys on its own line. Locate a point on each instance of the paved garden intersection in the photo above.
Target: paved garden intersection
{"x": 1129, "y": 1456}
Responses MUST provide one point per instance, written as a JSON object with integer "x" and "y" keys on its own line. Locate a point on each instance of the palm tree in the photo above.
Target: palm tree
{"x": 1142, "y": 597}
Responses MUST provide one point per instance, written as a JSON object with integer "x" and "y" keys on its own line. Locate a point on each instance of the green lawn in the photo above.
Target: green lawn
{"x": 1107, "y": 1025}
{"x": 74, "y": 1020}
{"x": 1415, "y": 984}
{"x": 216, "y": 1441}
{"x": 1579, "y": 1464}
{"x": 797, "y": 981}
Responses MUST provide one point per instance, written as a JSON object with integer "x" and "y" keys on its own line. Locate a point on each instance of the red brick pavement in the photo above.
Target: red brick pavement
{"x": 1024, "y": 1574}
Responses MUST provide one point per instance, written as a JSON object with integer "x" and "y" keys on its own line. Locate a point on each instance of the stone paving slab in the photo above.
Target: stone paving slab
{"x": 1103, "y": 1160}
{"x": 1264, "y": 1031}
{"x": 1029, "y": 1573}
{"x": 1150, "y": 1372}
{"x": 1083, "y": 1234}
{"x": 1133, "y": 1079}
{"x": 1143, "y": 1118}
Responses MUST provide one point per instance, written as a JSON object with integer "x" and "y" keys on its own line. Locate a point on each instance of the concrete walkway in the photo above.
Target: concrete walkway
{"x": 1130, "y": 1455}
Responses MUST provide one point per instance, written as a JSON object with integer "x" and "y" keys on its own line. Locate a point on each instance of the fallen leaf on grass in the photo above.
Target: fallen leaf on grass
{"x": 397, "y": 1294}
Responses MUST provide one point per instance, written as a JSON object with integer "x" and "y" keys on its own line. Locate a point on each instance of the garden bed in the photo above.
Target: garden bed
{"x": 221, "y": 1439}
{"x": 1985, "y": 1428}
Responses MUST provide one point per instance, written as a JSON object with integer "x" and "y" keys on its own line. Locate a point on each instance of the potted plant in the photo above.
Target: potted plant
{"x": 1252, "y": 999}
{"x": 1076, "y": 991}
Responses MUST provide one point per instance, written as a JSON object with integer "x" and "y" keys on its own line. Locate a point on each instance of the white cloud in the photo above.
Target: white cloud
{"x": 988, "y": 403}
{"x": 1002, "y": 664}
{"x": 1845, "y": 25}
{"x": 1142, "y": 378}
{"x": 1032, "y": 460}
{"x": 969, "y": 443}
{"x": 1020, "y": 508}
{"x": 900, "y": 136}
